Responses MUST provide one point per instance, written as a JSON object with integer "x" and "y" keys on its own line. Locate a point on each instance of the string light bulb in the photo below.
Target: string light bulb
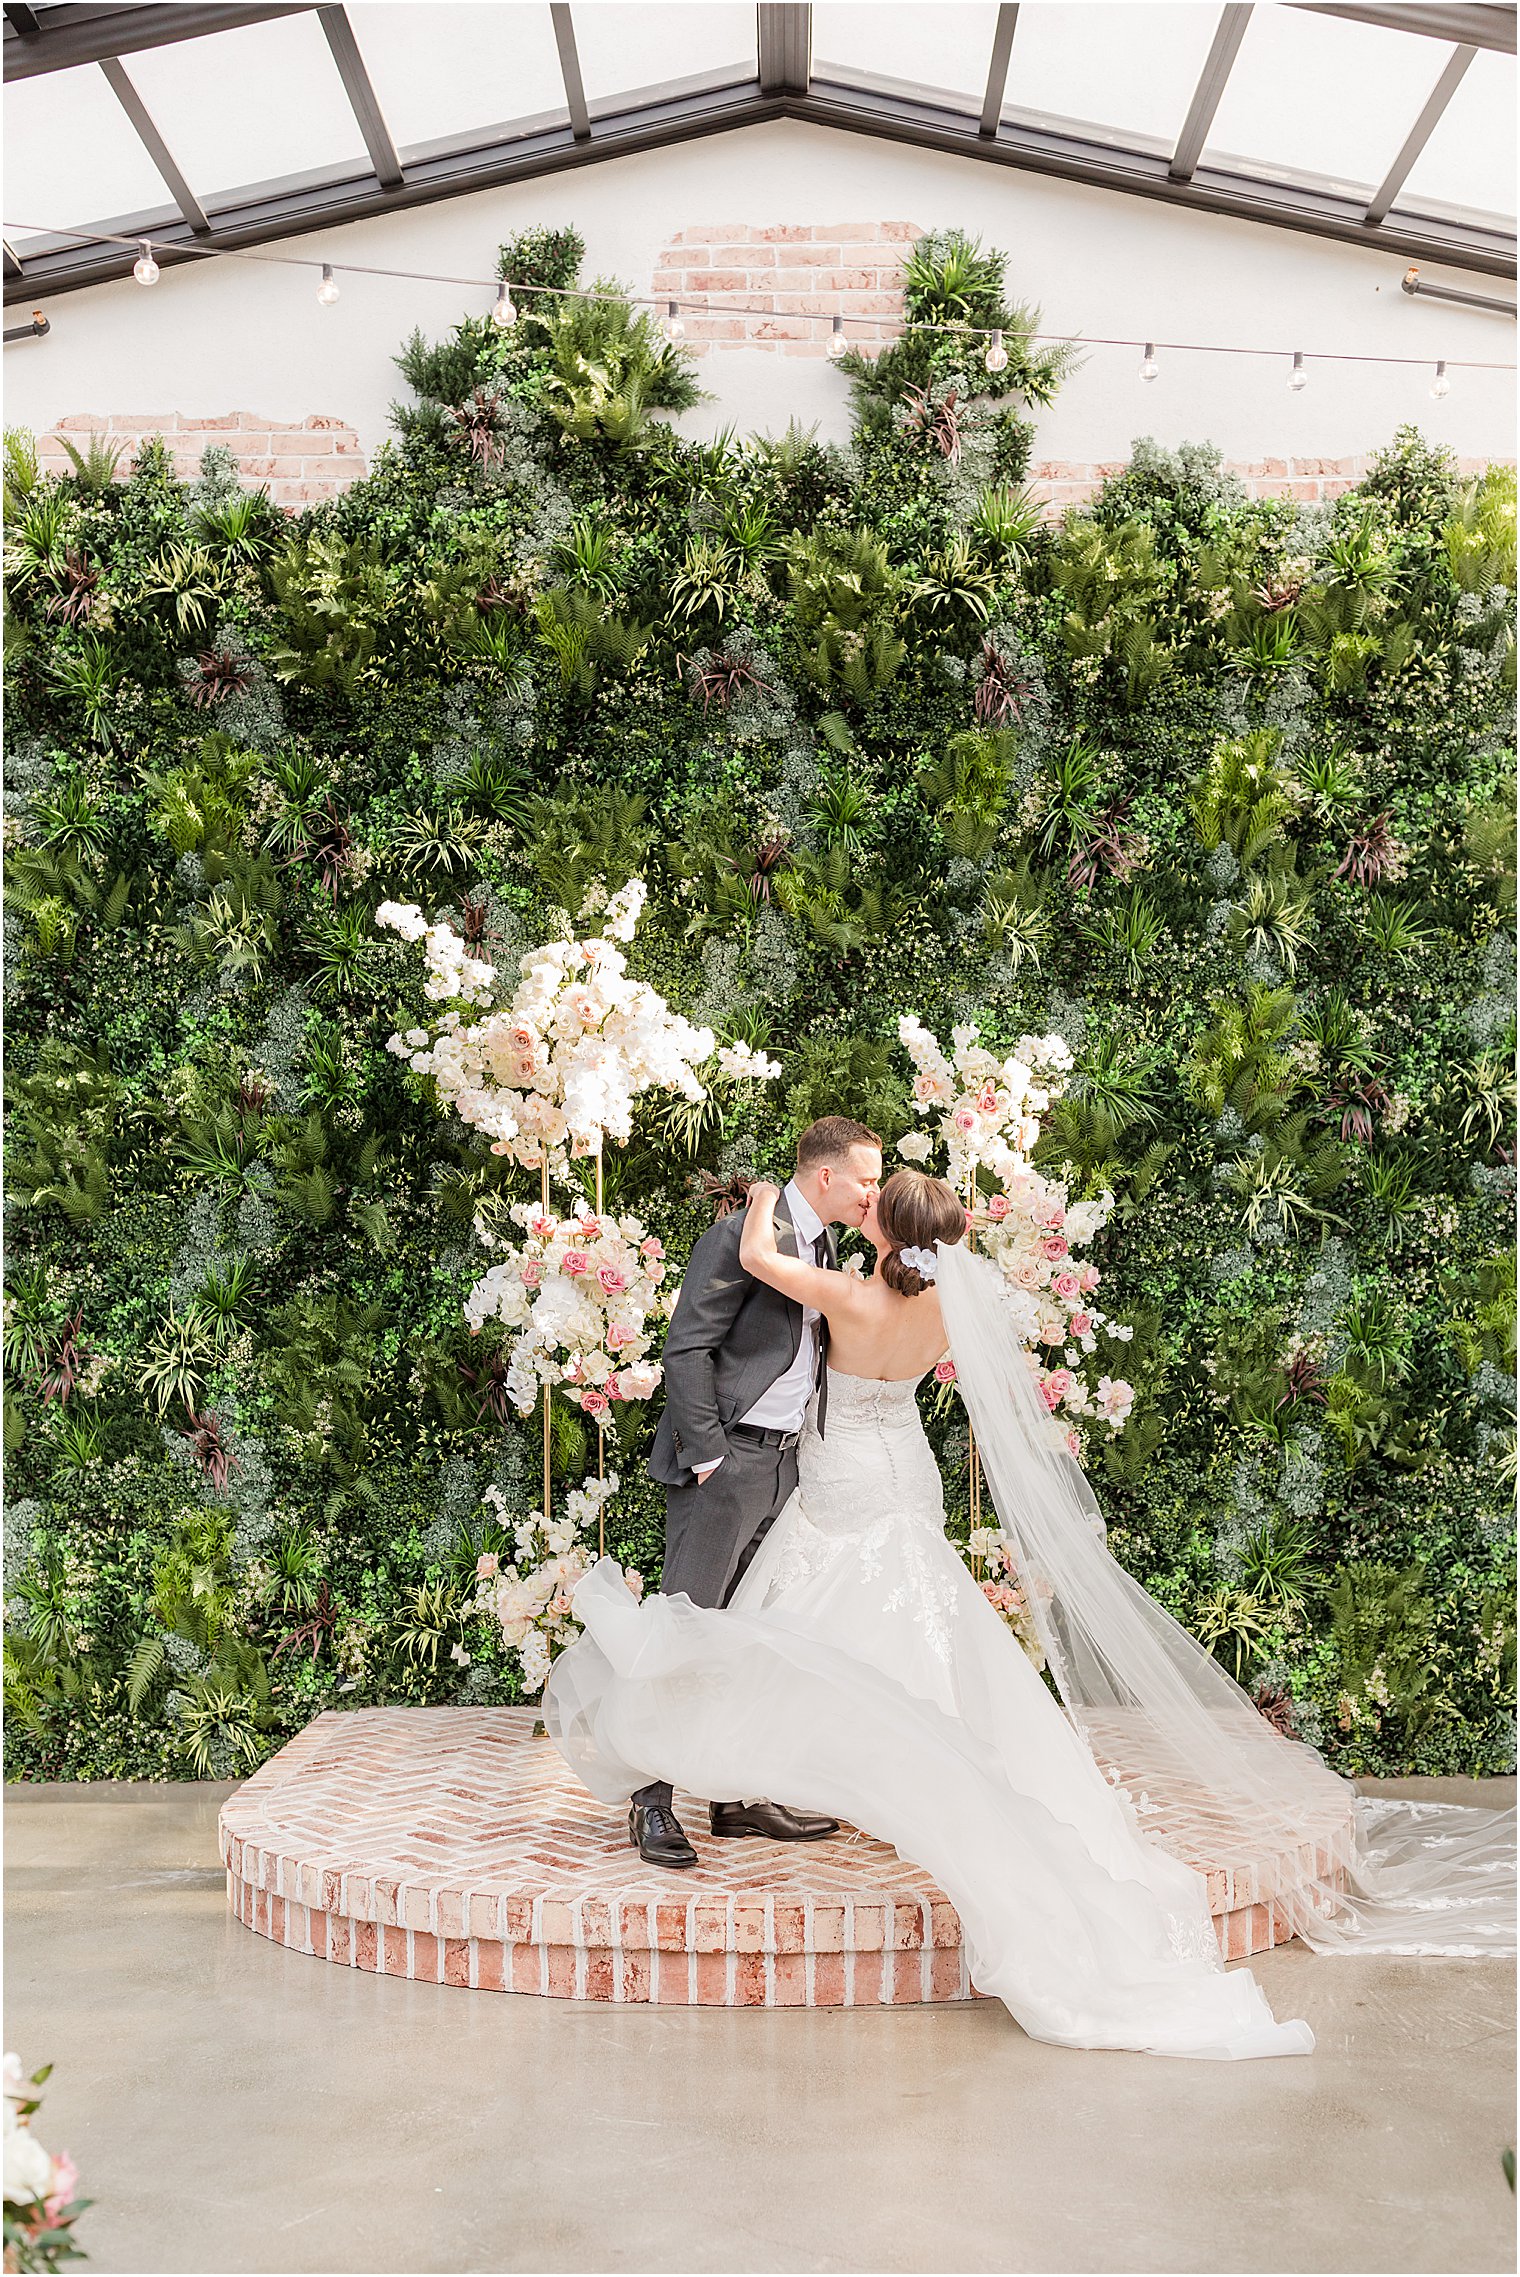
{"x": 996, "y": 358}
{"x": 1149, "y": 368}
{"x": 505, "y": 311}
{"x": 327, "y": 290}
{"x": 674, "y": 327}
{"x": 145, "y": 268}
{"x": 1298, "y": 378}
{"x": 1441, "y": 385}
{"x": 837, "y": 341}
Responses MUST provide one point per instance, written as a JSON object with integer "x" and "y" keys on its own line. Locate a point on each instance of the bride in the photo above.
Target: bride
{"x": 860, "y": 1670}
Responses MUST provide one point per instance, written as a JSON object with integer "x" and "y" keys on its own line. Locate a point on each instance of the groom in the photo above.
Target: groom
{"x": 741, "y": 1364}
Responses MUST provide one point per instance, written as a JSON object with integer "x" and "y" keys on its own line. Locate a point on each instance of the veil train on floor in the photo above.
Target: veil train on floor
{"x": 1170, "y": 1727}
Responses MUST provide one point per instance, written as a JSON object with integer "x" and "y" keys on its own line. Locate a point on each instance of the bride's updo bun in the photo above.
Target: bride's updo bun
{"x": 914, "y": 1211}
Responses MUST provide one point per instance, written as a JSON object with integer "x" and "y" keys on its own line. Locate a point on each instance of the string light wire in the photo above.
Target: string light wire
{"x": 672, "y": 307}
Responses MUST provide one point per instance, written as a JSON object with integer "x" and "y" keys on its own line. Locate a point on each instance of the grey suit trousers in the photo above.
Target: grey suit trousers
{"x": 707, "y": 1548}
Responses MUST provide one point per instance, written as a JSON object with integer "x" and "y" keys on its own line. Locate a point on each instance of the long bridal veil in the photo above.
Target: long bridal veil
{"x": 1204, "y": 1771}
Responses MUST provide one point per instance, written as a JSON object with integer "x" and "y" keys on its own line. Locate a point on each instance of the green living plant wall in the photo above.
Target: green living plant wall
{"x": 1222, "y": 790}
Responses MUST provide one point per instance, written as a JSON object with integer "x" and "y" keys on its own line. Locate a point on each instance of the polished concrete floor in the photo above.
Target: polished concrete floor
{"x": 233, "y": 2106}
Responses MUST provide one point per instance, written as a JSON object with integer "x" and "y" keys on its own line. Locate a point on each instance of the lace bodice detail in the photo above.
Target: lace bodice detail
{"x": 871, "y": 1400}
{"x": 870, "y": 1505}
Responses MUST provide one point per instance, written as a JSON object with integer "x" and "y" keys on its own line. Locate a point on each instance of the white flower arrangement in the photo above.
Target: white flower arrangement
{"x": 554, "y": 1072}
{"x": 529, "y": 1598}
{"x": 41, "y": 2204}
{"x": 580, "y": 1290}
{"x": 988, "y": 1109}
{"x": 989, "y": 1119}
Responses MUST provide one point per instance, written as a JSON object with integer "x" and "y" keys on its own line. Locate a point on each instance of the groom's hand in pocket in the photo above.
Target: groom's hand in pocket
{"x": 702, "y": 1476}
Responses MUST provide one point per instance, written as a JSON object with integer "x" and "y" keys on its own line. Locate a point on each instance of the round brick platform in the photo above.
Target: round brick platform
{"x": 449, "y": 1844}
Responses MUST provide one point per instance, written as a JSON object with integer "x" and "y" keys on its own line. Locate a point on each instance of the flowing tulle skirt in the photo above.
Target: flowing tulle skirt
{"x": 1090, "y": 1933}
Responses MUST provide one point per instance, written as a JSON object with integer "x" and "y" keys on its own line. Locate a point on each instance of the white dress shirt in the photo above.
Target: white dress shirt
{"x": 783, "y": 1404}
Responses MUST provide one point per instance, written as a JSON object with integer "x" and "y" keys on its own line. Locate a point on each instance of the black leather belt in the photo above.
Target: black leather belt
{"x": 762, "y": 1435}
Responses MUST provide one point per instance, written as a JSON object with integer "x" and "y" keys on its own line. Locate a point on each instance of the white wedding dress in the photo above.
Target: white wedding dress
{"x": 859, "y": 1670}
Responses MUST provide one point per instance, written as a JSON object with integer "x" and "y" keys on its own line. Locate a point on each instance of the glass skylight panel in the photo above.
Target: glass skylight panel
{"x": 943, "y": 47}
{"x": 252, "y": 105}
{"x": 464, "y": 73}
{"x": 1470, "y": 158}
{"x": 72, "y": 156}
{"x": 1130, "y": 70}
{"x": 1323, "y": 96}
{"x": 625, "y": 47}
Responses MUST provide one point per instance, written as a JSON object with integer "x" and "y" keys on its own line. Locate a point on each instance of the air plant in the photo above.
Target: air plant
{"x": 218, "y": 675}
{"x": 1372, "y": 852}
{"x": 943, "y": 423}
{"x": 64, "y": 1366}
{"x": 1358, "y": 1102}
{"x": 724, "y": 1194}
{"x": 1000, "y": 692}
{"x": 477, "y": 422}
{"x": 722, "y": 678}
{"x": 79, "y": 593}
{"x": 203, "y": 1429}
{"x": 1302, "y": 1380}
{"x": 489, "y": 1384}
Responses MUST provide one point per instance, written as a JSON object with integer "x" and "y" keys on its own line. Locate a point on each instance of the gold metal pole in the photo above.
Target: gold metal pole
{"x": 973, "y": 1456}
{"x": 601, "y": 1436}
{"x": 548, "y": 1388}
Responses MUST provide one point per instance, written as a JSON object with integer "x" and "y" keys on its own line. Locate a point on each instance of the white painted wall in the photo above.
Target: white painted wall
{"x": 241, "y": 335}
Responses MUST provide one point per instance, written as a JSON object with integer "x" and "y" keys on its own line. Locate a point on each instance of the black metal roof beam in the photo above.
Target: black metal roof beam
{"x": 784, "y": 48}
{"x": 997, "y": 69}
{"x": 1212, "y": 80}
{"x": 154, "y": 144}
{"x": 1476, "y": 26}
{"x": 1419, "y": 134}
{"x": 66, "y": 36}
{"x": 270, "y": 211}
{"x": 570, "y": 71}
{"x": 365, "y": 103}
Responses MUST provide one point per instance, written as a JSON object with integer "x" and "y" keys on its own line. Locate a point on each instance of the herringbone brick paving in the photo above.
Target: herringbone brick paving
{"x": 449, "y": 1844}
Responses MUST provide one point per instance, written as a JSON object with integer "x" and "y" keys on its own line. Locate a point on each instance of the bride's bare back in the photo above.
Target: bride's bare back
{"x": 886, "y": 1335}
{"x": 874, "y": 1330}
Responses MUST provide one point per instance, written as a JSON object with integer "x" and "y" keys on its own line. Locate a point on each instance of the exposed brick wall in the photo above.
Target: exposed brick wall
{"x": 769, "y": 282}
{"x": 298, "y": 460}
{"x": 1066, "y": 482}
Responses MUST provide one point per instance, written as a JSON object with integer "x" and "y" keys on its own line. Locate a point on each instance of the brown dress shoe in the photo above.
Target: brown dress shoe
{"x": 773, "y": 1819}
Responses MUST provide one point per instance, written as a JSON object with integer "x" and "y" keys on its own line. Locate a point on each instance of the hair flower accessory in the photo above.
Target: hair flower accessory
{"x": 923, "y": 1261}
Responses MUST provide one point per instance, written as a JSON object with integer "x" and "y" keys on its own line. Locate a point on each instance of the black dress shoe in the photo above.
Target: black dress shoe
{"x": 658, "y": 1837}
{"x": 773, "y": 1819}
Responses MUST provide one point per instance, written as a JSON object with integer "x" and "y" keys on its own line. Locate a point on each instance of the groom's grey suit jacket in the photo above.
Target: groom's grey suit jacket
{"x": 730, "y": 1337}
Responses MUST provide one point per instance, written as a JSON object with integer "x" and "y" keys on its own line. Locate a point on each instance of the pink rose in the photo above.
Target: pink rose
{"x": 986, "y": 1099}
{"x": 520, "y": 1039}
{"x": 1074, "y": 1441}
{"x": 611, "y": 1280}
{"x": 1066, "y": 1286}
{"x": 964, "y": 1120}
{"x": 532, "y": 1273}
{"x": 540, "y": 1225}
{"x": 576, "y": 1263}
{"x": 1050, "y": 1397}
{"x": 1059, "y": 1383}
{"x": 590, "y": 1229}
{"x": 998, "y": 1208}
{"x": 945, "y": 1372}
{"x": 65, "y": 2179}
{"x": 925, "y": 1086}
{"x": 1089, "y": 1276}
{"x": 651, "y": 1246}
{"x": 486, "y": 1565}
{"x": 1054, "y": 1245}
{"x": 595, "y": 1402}
{"x": 1081, "y": 1322}
{"x": 618, "y": 1336}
